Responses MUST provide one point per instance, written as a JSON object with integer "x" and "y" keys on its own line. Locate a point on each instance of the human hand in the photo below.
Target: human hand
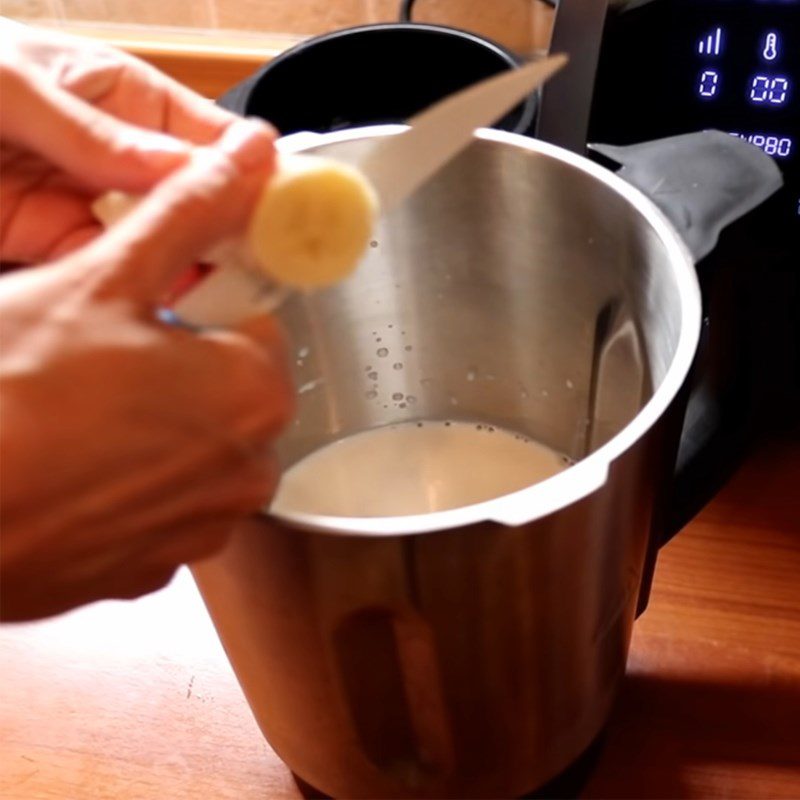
{"x": 79, "y": 118}
{"x": 130, "y": 447}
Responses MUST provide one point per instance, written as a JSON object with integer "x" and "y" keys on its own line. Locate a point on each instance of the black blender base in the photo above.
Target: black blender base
{"x": 309, "y": 792}
{"x": 569, "y": 783}
{"x": 565, "y": 786}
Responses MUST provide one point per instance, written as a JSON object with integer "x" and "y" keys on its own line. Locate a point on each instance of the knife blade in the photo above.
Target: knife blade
{"x": 396, "y": 166}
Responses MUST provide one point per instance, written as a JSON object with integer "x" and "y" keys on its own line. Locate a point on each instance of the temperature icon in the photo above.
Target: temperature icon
{"x": 771, "y": 46}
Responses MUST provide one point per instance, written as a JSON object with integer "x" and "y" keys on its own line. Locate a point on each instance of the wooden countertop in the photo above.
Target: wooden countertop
{"x": 136, "y": 700}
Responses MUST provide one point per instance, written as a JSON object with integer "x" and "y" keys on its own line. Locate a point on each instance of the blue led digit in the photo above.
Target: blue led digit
{"x": 709, "y": 83}
{"x": 759, "y": 89}
{"x": 778, "y": 146}
{"x": 778, "y": 91}
{"x": 769, "y": 90}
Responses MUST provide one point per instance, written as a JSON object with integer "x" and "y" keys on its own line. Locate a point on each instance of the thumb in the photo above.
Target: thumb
{"x": 267, "y": 335}
{"x": 265, "y": 341}
{"x": 208, "y": 200}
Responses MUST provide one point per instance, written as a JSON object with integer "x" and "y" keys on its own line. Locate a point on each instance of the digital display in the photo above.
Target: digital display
{"x": 745, "y": 73}
{"x": 764, "y": 88}
{"x": 675, "y": 66}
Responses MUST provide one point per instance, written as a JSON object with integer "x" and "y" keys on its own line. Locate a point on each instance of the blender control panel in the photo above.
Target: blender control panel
{"x": 675, "y": 66}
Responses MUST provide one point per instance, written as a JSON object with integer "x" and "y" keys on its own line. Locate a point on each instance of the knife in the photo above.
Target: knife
{"x": 396, "y": 167}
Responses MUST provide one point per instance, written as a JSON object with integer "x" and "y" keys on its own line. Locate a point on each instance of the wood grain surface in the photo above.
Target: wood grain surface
{"x": 136, "y": 700}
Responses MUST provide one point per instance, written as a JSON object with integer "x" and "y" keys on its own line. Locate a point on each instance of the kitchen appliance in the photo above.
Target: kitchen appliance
{"x": 474, "y": 652}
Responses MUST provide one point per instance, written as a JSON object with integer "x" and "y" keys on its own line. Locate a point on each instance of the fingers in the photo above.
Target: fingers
{"x": 271, "y": 343}
{"x": 190, "y": 116}
{"x": 206, "y": 201}
{"x": 207, "y": 532}
{"x": 258, "y": 397}
{"x": 183, "y": 113}
{"x": 119, "y": 83}
{"x": 41, "y": 216}
{"x": 74, "y": 240}
{"x": 135, "y": 91}
{"x": 131, "y": 90}
{"x": 101, "y": 151}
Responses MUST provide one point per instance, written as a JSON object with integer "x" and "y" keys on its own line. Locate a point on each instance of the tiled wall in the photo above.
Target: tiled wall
{"x": 522, "y": 25}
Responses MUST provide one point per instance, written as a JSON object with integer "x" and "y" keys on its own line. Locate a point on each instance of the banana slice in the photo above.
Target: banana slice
{"x": 310, "y": 227}
{"x": 313, "y": 221}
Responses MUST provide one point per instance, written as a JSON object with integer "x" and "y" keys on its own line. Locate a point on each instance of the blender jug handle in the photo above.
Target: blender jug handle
{"x": 702, "y": 182}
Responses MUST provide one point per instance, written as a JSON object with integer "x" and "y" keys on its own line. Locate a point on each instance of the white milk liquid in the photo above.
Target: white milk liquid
{"x": 414, "y": 468}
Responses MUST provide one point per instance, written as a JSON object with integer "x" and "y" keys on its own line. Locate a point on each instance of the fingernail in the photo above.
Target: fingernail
{"x": 249, "y": 142}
